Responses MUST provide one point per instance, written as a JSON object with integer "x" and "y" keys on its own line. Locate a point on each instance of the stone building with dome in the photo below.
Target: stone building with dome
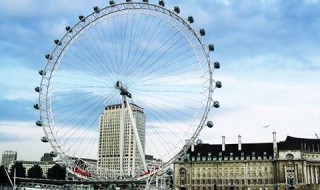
{"x": 290, "y": 164}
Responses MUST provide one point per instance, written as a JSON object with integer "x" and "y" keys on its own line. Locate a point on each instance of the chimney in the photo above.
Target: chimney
{"x": 239, "y": 142}
{"x": 275, "y": 145}
{"x": 223, "y": 143}
{"x": 192, "y": 147}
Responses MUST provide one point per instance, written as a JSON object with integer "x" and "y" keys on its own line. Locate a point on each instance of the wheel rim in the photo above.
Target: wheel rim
{"x": 154, "y": 53}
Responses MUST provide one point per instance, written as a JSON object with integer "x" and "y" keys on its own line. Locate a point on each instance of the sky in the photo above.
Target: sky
{"x": 268, "y": 50}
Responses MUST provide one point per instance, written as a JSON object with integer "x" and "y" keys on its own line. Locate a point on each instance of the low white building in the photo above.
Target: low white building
{"x": 45, "y": 165}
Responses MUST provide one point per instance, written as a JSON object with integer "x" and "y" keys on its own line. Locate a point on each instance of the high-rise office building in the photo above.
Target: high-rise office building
{"x": 7, "y": 157}
{"x": 109, "y": 140}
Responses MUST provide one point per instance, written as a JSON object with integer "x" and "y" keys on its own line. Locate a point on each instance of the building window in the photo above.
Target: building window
{"x": 264, "y": 155}
{"x": 198, "y": 156}
{"x": 242, "y": 155}
{"x": 182, "y": 172}
{"x": 254, "y": 181}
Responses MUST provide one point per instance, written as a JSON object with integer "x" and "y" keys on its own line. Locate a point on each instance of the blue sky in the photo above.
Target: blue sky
{"x": 268, "y": 49}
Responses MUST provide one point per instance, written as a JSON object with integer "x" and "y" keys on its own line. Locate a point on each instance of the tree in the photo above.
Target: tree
{"x": 57, "y": 172}
{"x": 3, "y": 176}
{"x": 20, "y": 170}
{"x": 35, "y": 172}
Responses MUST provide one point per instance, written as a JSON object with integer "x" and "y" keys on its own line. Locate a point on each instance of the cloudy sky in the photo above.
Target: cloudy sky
{"x": 268, "y": 49}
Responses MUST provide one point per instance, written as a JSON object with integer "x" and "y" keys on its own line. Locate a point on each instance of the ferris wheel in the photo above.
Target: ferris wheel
{"x": 126, "y": 91}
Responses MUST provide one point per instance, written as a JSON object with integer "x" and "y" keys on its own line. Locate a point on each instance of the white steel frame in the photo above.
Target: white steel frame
{"x": 182, "y": 25}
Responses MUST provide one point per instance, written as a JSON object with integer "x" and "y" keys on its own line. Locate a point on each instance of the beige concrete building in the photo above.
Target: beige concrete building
{"x": 109, "y": 149}
{"x": 290, "y": 164}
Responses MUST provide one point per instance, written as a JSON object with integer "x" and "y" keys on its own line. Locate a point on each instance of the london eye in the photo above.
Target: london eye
{"x": 126, "y": 91}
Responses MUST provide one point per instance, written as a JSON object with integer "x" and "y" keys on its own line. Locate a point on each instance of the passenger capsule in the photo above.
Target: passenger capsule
{"x": 37, "y": 89}
{"x": 81, "y": 18}
{"x": 176, "y": 9}
{"x": 96, "y": 9}
{"x": 48, "y": 56}
{"x": 42, "y": 72}
{"x": 57, "y": 42}
{"x": 68, "y": 29}
{"x": 44, "y": 139}
{"x": 36, "y": 106}
{"x": 218, "y": 84}
{"x": 216, "y": 65}
{"x": 216, "y": 104}
{"x": 39, "y": 123}
{"x": 190, "y": 19}
{"x": 202, "y": 32}
{"x": 112, "y": 3}
{"x": 210, "y": 124}
{"x": 211, "y": 47}
{"x": 161, "y": 2}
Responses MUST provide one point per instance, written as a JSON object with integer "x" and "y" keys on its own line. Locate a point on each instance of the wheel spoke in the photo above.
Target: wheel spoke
{"x": 124, "y": 90}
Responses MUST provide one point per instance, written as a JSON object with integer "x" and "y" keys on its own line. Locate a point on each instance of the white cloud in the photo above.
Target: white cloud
{"x": 312, "y": 1}
{"x": 248, "y": 102}
{"x": 24, "y": 138}
{"x": 294, "y": 120}
{"x": 55, "y": 29}
{"x": 269, "y": 70}
{"x": 21, "y": 87}
{"x": 34, "y": 8}
{"x": 16, "y": 7}
{"x": 226, "y": 2}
